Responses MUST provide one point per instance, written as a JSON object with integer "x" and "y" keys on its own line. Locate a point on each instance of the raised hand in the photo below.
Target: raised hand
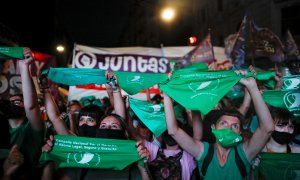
{"x": 28, "y": 56}
{"x": 49, "y": 144}
{"x": 14, "y": 160}
{"x": 142, "y": 150}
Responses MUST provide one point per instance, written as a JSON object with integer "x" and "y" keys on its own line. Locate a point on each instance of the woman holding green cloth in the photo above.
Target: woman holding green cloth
{"x": 227, "y": 129}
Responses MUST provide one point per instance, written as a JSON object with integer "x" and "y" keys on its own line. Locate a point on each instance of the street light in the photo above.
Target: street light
{"x": 168, "y": 14}
{"x": 60, "y": 48}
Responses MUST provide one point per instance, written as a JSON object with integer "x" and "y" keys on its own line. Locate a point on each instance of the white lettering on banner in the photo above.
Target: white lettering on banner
{"x": 85, "y": 60}
{"x": 162, "y": 65}
{"x": 113, "y": 65}
{"x": 15, "y": 82}
{"x": 131, "y": 63}
{"x": 104, "y": 65}
{"x": 153, "y": 65}
{"x": 141, "y": 66}
{"x": 3, "y": 85}
{"x": 128, "y": 59}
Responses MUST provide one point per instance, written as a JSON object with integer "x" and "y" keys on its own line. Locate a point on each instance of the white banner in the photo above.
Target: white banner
{"x": 131, "y": 59}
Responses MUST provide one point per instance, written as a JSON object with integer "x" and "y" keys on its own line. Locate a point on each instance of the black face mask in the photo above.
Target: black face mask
{"x": 17, "y": 112}
{"x": 168, "y": 139}
{"x": 87, "y": 131}
{"x": 282, "y": 137}
{"x": 111, "y": 134}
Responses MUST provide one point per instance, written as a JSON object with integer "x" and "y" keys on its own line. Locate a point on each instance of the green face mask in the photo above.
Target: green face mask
{"x": 227, "y": 137}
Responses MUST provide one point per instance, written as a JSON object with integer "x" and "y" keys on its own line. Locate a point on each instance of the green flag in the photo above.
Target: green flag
{"x": 133, "y": 83}
{"x": 11, "y": 53}
{"x": 203, "y": 90}
{"x": 82, "y": 152}
{"x": 76, "y": 76}
{"x": 284, "y": 166}
{"x": 291, "y": 82}
{"x": 152, "y": 115}
{"x": 289, "y": 99}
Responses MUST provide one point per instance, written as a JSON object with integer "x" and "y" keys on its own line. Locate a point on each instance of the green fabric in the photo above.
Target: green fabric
{"x": 229, "y": 170}
{"x": 152, "y": 115}
{"x": 232, "y": 94}
{"x": 11, "y": 53}
{"x": 29, "y": 142}
{"x": 91, "y": 100}
{"x": 4, "y": 153}
{"x": 133, "y": 83}
{"x": 82, "y": 152}
{"x": 203, "y": 90}
{"x": 279, "y": 166}
{"x": 291, "y": 82}
{"x": 76, "y": 76}
{"x": 227, "y": 137}
{"x": 178, "y": 110}
{"x": 199, "y": 67}
{"x": 289, "y": 99}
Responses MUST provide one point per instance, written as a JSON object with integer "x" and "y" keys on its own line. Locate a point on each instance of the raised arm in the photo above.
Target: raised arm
{"x": 246, "y": 103}
{"x": 192, "y": 146}
{"x": 31, "y": 106}
{"x": 266, "y": 125}
{"x": 118, "y": 102}
{"x": 52, "y": 110}
{"x": 197, "y": 125}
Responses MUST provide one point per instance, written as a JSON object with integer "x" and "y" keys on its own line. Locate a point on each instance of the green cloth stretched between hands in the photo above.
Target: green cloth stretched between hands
{"x": 11, "y": 53}
{"x": 82, "y": 152}
{"x": 76, "y": 76}
{"x": 203, "y": 90}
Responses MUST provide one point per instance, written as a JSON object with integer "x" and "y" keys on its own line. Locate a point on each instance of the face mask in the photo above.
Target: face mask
{"x": 282, "y": 137}
{"x": 168, "y": 139}
{"x": 227, "y": 137}
{"x": 87, "y": 131}
{"x": 17, "y": 112}
{"x": 110, "y": 134}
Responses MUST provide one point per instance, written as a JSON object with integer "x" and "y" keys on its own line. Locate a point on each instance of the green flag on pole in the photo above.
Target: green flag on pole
{"x": 289, "y": 99}
{"x": 82, "y": 152}
{"x": 152, "y": 115}
{"x": 133, "y": 83}
{"x": 283, "y": 166}
{"x": 76, "y": 76}
{"x": 11, "y": 53}
{"x": 291, "y": 82}
{"x": 203, "y": 90}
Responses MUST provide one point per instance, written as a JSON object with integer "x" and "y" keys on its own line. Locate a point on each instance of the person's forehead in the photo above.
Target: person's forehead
{"x": 15, "y": 98}
{"x": 86, "y": 117}
{"x": 228, "y": 118}
{"x": 110, "y": 120}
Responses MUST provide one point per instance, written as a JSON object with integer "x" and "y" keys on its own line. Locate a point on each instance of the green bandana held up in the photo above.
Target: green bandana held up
{"x": 227, "y": 137}
{"x": 289, "y": 99}
{"x": 76, "y": 76}
{"x": 11, "y": 53}
{"x": 203, "y": 90}
{"x": 291, "y": 82}
{"x": 81, "y": 152}
{"x": 132, "y": 83}
{"x": 152, "y": 115}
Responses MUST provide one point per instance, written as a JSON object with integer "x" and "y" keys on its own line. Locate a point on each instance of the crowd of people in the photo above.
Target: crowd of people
{"x": 224, "y": 144}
